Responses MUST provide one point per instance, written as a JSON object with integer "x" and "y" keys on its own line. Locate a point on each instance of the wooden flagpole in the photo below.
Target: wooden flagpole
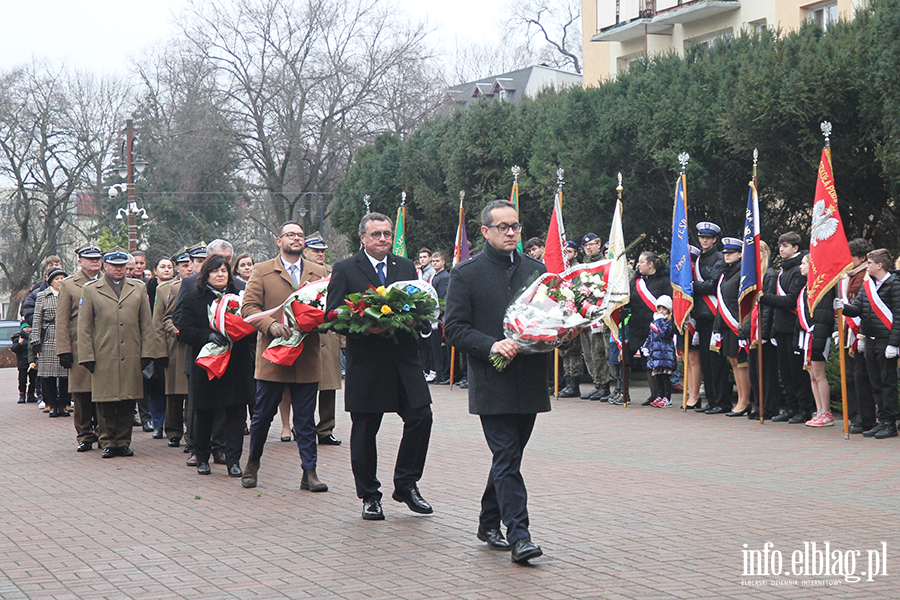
{"x": 559, "y": 185}
{"x": 842, "y": 325}
{"x": 759, "y": 344}
{"x": 457, "y": 252}
{"x": 683, "y": 158}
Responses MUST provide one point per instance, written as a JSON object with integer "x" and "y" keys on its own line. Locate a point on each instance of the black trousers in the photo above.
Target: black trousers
{"x": 439, "y": 358}
{"x": 771, "y": 386}
{"x": 860, "y": 402}
{"x": 56, "y": 392}
{"x": 883, "y": 377}
{"x": 27, "y": 380}
{"x": 794, "y": 379}
{"x": 410, "y": 456}
{"x": 505, "y": 498}
{"x": 715, "y": 369}
{"x": 233, "y": 432}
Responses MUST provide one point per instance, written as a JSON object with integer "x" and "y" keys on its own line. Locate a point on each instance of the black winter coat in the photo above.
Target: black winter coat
{"x": 871, "y": 325}
{"x": 822, "y": 320}
{"x": 481, "y": 289}
{"x": 20, "y": 350}
{"x": 236, "y": 386}
{"x": 641, "y": 314}
{"x": 712, "y": 263}
{"x": 379, "y": 370}
{"x": 766, "y": 313}
{"x": 792, "y": 282}
{"x": 28, "y": 304}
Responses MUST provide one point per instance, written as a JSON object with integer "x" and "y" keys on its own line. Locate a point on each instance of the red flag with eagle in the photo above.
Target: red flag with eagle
{"x": 829, "y": 254}
{"x": 555, "y": 257}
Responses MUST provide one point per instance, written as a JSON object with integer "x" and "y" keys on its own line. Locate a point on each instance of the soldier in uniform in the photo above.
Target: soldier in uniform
{"x": 331, "y": 357}
{"x": 115, "y": 343}
{"x": 176, "y": 380}
{"x": 67, "y": 308}
{"x": 573, "y": 366}
{"x": 595, "y": 339}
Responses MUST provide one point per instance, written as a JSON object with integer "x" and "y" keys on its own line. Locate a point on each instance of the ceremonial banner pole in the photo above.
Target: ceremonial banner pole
{"x": 458, "y": 251}
{"x": 759, "y": 344}
{"x": 680, "y": 273}
{"x": 514, "y": 198}
{"x": 559, "y": 187}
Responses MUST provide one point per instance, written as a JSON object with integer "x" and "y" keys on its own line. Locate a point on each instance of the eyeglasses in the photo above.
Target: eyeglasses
{"x": 381, "y": 234}
{"x": 504, "y": 227}
{"x": 292, "y": 235}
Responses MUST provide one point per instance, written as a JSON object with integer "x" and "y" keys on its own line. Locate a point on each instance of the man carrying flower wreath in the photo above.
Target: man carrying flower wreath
{"x": 507, "y": 401}
{"x": 270, "y": 285}
{"x": 383, "y": 374}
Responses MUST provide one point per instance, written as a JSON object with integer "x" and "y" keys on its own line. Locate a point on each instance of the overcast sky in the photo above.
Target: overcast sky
{"x": 97, "y": 35}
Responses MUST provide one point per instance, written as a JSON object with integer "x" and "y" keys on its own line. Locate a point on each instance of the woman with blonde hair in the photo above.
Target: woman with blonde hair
{"x": 760, "y": 326}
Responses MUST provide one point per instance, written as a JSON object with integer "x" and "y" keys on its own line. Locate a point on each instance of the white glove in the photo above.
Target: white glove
{"x": 434, "y": 326}
{"x": 657, "y": 315}
{"x": 838, "y": 304}
{"x": 716, "y": 339}
{"x": 891, "y": 352}
{"x": 742, "y": 343}
{"x": 695, "y": 341}
{"x": 861, "y": 343}
{"x": 645, "y": 351}
{"x": 774, "y": 342}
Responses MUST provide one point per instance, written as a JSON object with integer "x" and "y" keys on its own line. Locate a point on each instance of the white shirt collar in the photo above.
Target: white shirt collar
{"x": 883, "y": 279}
{"x": 298, "y": 264}
{"x": 375, "y": 262}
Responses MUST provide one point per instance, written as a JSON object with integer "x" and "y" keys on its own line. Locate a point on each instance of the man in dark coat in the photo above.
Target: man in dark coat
{"x": 507, "y": 402}
{"x": 440, "y": 352}
{"x": 798, "y": 393}
{"x": 382, "y": 375}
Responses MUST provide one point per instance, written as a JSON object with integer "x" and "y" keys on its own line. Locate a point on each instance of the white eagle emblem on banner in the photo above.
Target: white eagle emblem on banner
{"x": 823, "y": 224}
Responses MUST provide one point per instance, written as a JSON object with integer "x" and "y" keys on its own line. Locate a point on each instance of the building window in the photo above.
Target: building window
{"x": 709, "y": 40}
{"x": 823, "y": 15}
{"x": 758, "y": 27}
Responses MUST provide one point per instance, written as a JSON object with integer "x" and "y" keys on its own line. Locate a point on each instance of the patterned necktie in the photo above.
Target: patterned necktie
{"x": 381, "y": 273}
{"x": 295, "y": 274}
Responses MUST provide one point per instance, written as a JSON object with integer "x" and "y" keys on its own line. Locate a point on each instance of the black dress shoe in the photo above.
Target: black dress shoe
{"x": 124, "y": 451}
{"x": 856, "y": 428}
{"x": 329, "y": 441}
{"x": 219, "y": 458}
{"x": 148, "y": 426}
{"x": 735, "y": 413}
{"x": 493, "y": 537}
{"x": 158, "y": 433}
{"x": 888, "y": 430}
{"x": 700, "y": 408}
{"x": 85, "y": 447}
{"x": 413, "y": 500}
{"x": 753, "y": 416}
{"x": 783, "y": 417}
{"x": 235, "y": 471}
{"x": 372, "y": 510}
{"x": 174, "y": 442}
{"x": 285, "y": 438}
{"x": 799, "y": 418}
{"x": 136, "y": 423}
{"x": 192, "y": 460}
{"x": 463, "y": 385}
{"x": 715, "y": 410}
{"x": 871, "y": 432}
{"x": 524, "y": 550}
{"x": 203, "y": 469}
{"x": 646, "y": 402}
{"x": 108, "y": 452}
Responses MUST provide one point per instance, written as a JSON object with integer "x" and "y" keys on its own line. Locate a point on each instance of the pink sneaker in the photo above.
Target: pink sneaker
{"x": 664, "y": 403}
{"x": 657, "y": 403}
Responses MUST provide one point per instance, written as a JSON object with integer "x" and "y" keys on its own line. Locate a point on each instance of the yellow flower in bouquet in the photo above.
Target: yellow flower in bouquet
{"x": 380, "y": 291}
{"x": 386, "y": 310}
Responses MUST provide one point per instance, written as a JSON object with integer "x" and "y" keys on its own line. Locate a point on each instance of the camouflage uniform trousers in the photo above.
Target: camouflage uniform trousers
{"x": 571, "y": 359}
{"x": 596, "y": 356}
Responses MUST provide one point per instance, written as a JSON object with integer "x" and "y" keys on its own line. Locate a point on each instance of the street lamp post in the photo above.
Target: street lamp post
{"x": 126, "y": 168}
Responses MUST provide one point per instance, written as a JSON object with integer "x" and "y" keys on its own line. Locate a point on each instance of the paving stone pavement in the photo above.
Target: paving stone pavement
{"x": 626, "y": 502}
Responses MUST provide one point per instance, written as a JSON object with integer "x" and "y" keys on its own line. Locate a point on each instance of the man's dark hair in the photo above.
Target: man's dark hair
{"x": 487, "y": 218}
{"x": 286, "y": 223}
{"x": 425, "y": 250}
{"x": 882, "y": 256}
{"x": 162, "y": 258}
{"x": 791, "y": 237}
{"x": 213, "y": 262}
{"x": 860, "y": 247}
{"x": 534, "y": 242}
{"x": 373, "y": 216}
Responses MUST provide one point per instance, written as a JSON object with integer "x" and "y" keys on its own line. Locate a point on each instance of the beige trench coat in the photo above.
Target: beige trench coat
{"x": 116, "y": 333}
{"x": 269, "y": 286}
{"x": 67, "y": 306}
{"x": 165, "y": 330}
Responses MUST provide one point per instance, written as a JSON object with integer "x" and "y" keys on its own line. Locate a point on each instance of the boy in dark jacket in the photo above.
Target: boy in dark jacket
{"x": 27, "y": 378}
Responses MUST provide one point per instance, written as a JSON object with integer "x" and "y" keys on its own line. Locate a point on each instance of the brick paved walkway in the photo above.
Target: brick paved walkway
{"x": 627, "y": 503}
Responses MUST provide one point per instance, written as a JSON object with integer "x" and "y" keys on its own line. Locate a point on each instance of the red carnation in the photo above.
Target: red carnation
{"x": 332, "y": 315}
{"x": 233, "y": 304}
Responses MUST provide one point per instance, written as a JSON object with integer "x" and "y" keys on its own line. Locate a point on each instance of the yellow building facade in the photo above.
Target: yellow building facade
{"x": 616, "y": 32}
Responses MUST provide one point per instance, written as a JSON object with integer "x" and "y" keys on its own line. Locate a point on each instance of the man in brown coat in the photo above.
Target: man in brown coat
{"x": 331, "y": 357}
{"x": 115, "y": 342}
{"x": 89, "y": 262}
{"x": 269, "y": 286}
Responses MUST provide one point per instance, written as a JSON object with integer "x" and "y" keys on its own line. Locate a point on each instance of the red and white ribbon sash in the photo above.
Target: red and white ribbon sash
{"x": 646, "y": 295}
{"x": 729, "y": 319}
{"x": 711, "y": 301}
{"x": 272, "y": 311}
{"x": 806, "y": 333}
{"x": 779, "y": 290}
{"x": 882, "y": 311}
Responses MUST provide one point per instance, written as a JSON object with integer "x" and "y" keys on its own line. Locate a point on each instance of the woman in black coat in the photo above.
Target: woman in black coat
{"x": 762, "y": 318}
{"x": 230, "y": 392}
{"x": 726, "y": 328}
{"x": 650, "y": 282}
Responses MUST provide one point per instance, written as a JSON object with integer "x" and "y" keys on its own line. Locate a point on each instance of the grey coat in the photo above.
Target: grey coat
{"x": 42, "y": 342}
{"x": 480, "y": 290}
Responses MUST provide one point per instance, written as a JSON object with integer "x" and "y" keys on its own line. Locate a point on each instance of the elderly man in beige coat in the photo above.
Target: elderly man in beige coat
{"x": 270, "y": 284}
{"x": 115, "y": 342}
{"x": 89, "y": 262}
